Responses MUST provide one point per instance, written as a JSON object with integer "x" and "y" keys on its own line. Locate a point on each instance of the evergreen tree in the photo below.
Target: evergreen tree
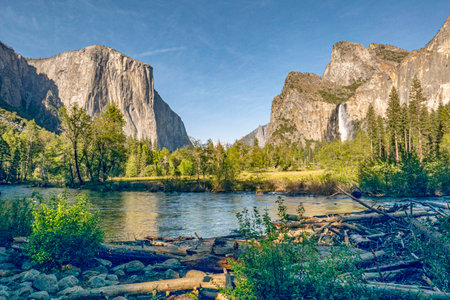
{"x": 394, "y": 123}
{"x": 372, "y": 129}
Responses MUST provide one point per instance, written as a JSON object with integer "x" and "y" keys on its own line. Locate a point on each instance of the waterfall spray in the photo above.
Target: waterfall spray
{"x": 344, "y": 125}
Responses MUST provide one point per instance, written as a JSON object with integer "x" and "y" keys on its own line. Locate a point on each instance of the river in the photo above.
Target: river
{"x": 130, "y": 215}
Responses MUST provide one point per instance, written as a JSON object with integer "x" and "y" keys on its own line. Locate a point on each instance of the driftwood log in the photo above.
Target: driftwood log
{"x": 171, "y": 285}
{"x": 390, "y": 288}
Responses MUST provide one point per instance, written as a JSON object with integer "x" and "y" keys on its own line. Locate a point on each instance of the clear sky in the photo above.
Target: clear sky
{"x": 219, "y": 64}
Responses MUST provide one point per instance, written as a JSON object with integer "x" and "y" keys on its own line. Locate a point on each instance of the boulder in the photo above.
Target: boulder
{"x": 24, "y": 291}
{"x": 130, "y": 267}
{"x": 30, "y": 275}
{"x": 47, "y": 283}
{"x": 27, "y": 265}
{"x": 73, "y": 292}
{"x": 104, "y": 262}
{"x": 171, "y": 274}
{"x": 67, "y": 282}
{"x": 42, "y": 295}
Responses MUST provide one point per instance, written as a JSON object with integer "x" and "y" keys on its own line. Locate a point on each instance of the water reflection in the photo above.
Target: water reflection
{"x": 129, "y": 215}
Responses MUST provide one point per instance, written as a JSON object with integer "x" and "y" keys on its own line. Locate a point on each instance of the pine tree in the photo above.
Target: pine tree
{"x": 372, "y": 129}
{"x": 394, "y": 123}
{"x": 416, "y": 100}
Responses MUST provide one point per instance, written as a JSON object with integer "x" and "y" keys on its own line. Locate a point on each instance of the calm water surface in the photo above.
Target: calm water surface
{"x": 129, "y": 215}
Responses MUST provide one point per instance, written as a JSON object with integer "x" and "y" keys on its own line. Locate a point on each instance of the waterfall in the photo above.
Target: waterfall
{"x": 344, "y": 124}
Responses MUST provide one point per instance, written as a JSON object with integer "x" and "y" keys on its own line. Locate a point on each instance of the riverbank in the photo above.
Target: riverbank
{"x": 317, "y": 182}
{"x": 388, "y": 261}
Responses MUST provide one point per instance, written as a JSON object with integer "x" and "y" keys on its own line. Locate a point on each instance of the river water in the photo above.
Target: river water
{"x": 130, "y": 215}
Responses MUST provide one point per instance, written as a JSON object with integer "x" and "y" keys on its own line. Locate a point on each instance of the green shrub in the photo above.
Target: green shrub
{"x": 15, "y": 219}
{"x": 277, "y": 267}
{"x": 64, "y": 233}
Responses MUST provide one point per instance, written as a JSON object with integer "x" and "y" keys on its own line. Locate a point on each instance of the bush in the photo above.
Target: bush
{"x": 278, "y": 267}
{"x": 64, "y": 233}
{"x": 16, "y": 218}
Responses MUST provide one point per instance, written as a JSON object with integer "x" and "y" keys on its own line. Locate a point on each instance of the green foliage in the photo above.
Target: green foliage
{"x": 16, "y": 218}
{"x": 436, "y": 264}
{"x": 64, "y": 233}
{"x": 277, "y": 267}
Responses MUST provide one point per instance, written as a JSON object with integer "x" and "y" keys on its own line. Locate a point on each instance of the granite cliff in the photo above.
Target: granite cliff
{"x": 93, "y": 77}
{"x": 26, "y": 92}
{"x": 317, "y": 108}
{"x": 259, "y": 133}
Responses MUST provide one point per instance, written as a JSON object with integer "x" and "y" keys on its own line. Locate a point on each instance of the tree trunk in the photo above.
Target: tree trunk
{"x": 77, "y": 167}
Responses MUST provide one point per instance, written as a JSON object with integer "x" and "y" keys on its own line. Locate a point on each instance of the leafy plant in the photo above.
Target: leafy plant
{"x": 277, "y": 267}
{"x": 16, "y": 218}
{"x": 64, "y": 233}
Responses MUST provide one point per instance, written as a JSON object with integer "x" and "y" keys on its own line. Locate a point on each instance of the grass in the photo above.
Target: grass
{"x": 320, "y": 181}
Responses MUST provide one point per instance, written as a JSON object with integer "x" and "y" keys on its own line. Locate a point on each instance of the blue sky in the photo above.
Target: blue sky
{"x": 218, "y": 64}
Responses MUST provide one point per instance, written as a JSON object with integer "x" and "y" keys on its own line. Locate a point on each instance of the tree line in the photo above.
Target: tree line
{"x": 96, "y": 149}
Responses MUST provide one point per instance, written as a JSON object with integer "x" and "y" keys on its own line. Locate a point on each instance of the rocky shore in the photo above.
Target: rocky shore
{"x": 19, "y": 279}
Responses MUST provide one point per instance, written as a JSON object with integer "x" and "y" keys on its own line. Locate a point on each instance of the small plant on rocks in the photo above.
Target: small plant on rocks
{"x": 64, "y": 233}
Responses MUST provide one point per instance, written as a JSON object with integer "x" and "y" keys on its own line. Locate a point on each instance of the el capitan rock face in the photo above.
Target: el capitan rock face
{"x": 310, "y": 107}
{"x": 93, "y": 77}
{"x": 25, "y": 91}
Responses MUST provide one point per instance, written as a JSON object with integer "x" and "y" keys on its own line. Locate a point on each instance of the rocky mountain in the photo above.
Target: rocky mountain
{"x": 91, "y": 77}
{"x": 259, "y": 133}
{"x": 317, "y": 108}
{"x": 23, "y": 90}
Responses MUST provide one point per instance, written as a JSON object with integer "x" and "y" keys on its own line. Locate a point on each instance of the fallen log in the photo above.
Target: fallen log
{"x": 158, "y": 238}
{"x": 395, "y": 266}
{"x": 383, "y": 275}
{"x": 355, "y": 217}
{"x": 144, "y": 253}
{"x": 390, "y": 288}
{"x": 171, "y": 285}
{"x": 434, "y": 237}
{"x": 206, "y": 263}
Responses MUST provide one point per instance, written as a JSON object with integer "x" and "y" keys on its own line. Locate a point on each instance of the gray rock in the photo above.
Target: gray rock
{"x": 97, "y": 281}
{"x": 42, "y": 295}
{"x": 130, "y": 267}
{"x": 30, "y": 275}
{"x": 100, "y": 269}
{"x": 5, "y": 258}
{"x": 112, "y": 277}
{"x": 100, "y": 281}
{"x": 27, "y": 265}
{"x": 119, "y": 298}
{"x": 73, "y": 292}
{"x": 88, "y": 274}
{"x": 119, "y": 273}
{"x": 4, "y": 291}
{"x": 7, "y": 266}
{"x": 172, "y": 263}
{"x": 104, "y": 262}
{"x": 67, "y": 282}
{"x": 6, "y": 273}
{"x": 25, "y": 284}
{"x": 24, "y": 291}
{"x": 171, "y": 274}
{"x": 47, "y": 283}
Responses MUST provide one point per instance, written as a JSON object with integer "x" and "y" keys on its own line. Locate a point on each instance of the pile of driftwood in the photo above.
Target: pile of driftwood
{"x": 379, "y": 236}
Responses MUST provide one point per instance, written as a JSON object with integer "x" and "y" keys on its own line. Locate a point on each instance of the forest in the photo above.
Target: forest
{"x": 406, "y": 152}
